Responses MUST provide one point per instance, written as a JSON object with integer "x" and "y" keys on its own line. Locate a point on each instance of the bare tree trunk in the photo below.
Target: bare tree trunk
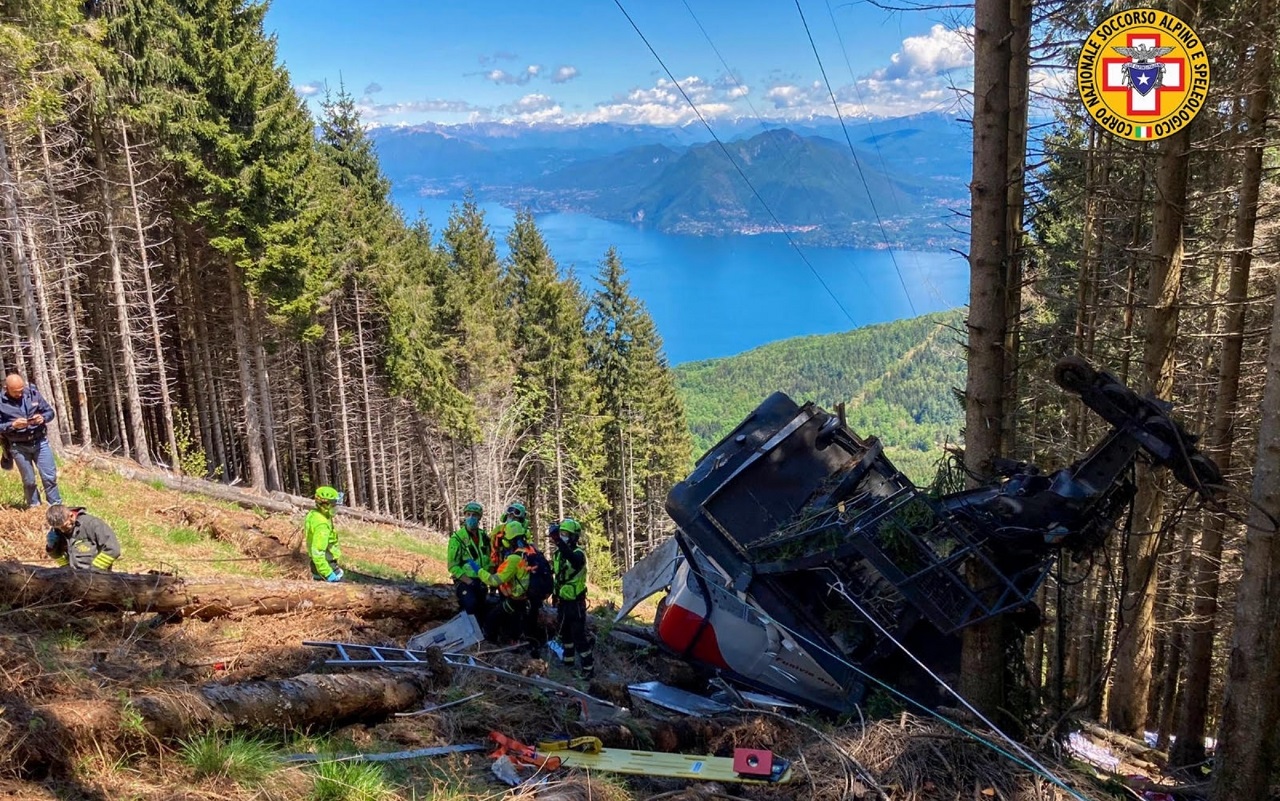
{"x": 344, "y": 410}
{"x": 194, "y": 377}
{"x": 1161, "y": 709}
{"x": 26, "y": 270}
{"x": 1246, "y": 735}
{"x": 115, "y": 395}
{"x": 65, "y": 278}
{"x": 399, "y": 468}
{"x": 982, "y": 659}
{"x": 375, "y": 495}
{"x": 11, "y": 314}
{"x": 208, "y": 372}
{"x": 248, "y": 391}
{"x": 320, "y": 459}
{"x": 297, "y": 702}
{"x": 265, "y": 410}
{"x": 141, "y": 451}
{"x": 1126, "y": 706}
{"x": 1015, "y": 189}
{"x": 157, "y": 341}
{"x": 1188, "y": 749}
{"x": 53, "y": 375}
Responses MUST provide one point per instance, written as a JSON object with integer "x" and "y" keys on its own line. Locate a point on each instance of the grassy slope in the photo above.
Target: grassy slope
{"x": 155, "y": 534}
{"x": 53, "y": 655}
{"x": 896, "y": 378}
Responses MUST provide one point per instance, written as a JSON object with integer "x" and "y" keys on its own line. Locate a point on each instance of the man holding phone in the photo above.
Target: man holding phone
{"x": 24, "y": 419}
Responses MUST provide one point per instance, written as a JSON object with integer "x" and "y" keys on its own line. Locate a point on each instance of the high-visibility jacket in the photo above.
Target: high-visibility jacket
{"x": 91, "y": 543}
{"x": 513, "y": 575}
{"x": 465, "y": 546}
{"x": 569, "y": 567}
{"x": 322, "y": 541}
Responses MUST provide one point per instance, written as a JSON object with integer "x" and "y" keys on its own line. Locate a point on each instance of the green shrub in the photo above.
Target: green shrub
{"x": 349, "y": 781}
{"x": 242, "y": 759}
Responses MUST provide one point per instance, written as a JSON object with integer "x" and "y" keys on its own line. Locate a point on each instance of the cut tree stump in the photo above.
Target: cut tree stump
{"x": 205, "y": 599}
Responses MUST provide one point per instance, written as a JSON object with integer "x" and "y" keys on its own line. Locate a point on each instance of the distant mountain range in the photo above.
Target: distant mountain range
{"x": 677, "y": 180}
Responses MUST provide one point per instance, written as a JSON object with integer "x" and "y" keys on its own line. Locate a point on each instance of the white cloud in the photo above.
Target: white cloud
{"x": 375, "y": 114}
{"x": 787, "y": 95}
{"x": 564, "y": 73}
{"x": 934, "y": 53}
{"x": 310, "y": 88}
{"x": 660, "y": 104}
{"x": 500, "y": 76}
{"x": 533, "y": 103}
{"x": 927, "y": 73}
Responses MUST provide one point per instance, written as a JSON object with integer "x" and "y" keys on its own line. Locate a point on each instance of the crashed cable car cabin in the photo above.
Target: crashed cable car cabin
{"x": 802, "y": 552}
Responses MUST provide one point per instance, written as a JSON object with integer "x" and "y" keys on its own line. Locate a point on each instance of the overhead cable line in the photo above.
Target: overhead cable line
{"x": 735, "y": 164}
{"x": 856, "y": 162}
{"x": 875, "y": 140}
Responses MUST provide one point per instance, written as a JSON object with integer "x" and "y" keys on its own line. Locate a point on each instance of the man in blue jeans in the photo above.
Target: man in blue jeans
{"x": 24, "y": 419}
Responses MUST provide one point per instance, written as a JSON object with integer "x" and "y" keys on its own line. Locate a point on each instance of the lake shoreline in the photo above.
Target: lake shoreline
{"x": 716, "y": 296}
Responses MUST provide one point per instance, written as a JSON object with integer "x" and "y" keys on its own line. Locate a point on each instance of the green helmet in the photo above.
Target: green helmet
{"x": 327, "y": 494}
{"x": 512, "y": 531}
{"x": 571, "y": 528}
{"x": 473, "y": 508}
{"x": 516, "y": 511}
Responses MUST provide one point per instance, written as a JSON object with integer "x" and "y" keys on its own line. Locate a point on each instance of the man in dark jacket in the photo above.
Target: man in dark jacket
{"x": 79, "y": 540}
{"x": 24, "y": 419}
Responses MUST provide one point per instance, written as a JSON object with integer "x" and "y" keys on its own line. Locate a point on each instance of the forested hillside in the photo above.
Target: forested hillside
{"x": 898, "y": 381}
{"x": 198, "y": 273}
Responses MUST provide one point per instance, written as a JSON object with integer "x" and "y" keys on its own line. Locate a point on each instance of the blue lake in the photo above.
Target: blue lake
{"x": 717, "y": 296}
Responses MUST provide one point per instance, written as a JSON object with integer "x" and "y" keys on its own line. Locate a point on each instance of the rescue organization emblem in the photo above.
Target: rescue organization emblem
{"x": 1143, "y": 74}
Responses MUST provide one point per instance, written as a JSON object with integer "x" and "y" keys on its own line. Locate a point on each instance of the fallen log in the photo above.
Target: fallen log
{"x": 1135, "y": 747}
{"x": 249, "y": 540}
{"x": 302, "y": 701}
{"x": 46, "y": 739}
{"x": 205, "y": 599}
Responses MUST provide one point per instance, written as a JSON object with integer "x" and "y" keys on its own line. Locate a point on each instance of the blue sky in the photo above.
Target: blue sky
{"x": 576, "y": 61}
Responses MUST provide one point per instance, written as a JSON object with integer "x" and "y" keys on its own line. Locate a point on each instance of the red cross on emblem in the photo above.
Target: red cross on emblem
{"x": 1130, "y": 75}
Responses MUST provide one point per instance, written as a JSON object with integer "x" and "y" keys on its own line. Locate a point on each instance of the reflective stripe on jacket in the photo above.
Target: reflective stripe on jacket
{"x": 91, "y": 543}
{"x": 513, "y": 576}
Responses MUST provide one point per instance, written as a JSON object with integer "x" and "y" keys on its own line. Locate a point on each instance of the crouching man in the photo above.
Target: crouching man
{"x": 79, "y": 540}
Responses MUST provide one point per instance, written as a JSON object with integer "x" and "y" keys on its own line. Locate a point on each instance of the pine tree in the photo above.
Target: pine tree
{"x": 556, "y": 393}
{"x": 646, "y": 439}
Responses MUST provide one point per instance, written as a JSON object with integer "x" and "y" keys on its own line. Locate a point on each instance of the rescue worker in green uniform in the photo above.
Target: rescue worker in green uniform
{"x": 470, "y": 562}
{"x": 322, "y": 537}
{"x": 523, "y": 578}
{"x": 569, "y": 570}
{"x": 79, "y": 540}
